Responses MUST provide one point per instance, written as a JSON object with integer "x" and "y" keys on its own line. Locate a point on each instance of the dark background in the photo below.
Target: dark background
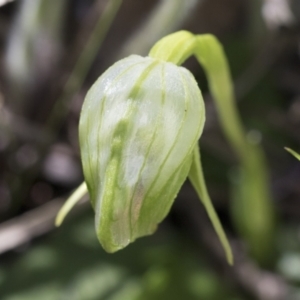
{"x": 47, "y": 66}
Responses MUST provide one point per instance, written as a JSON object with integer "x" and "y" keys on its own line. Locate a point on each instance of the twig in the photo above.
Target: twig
{"x": 261, "y": 284}
{"x": 3, "y": 2}
{"x": 21, "y": 230}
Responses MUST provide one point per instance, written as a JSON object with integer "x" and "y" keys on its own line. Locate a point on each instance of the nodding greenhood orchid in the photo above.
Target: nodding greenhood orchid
{"x": 138, "y": 127}
{"x": 139, "y": 130}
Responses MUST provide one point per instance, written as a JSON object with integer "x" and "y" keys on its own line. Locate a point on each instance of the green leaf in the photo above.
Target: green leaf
{"x": 294, "y": 153}
{"x": 197, "y": 179}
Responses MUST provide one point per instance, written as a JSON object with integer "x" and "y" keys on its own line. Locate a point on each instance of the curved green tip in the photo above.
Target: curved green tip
{"x": 294, "y": 153}
{"x": 75, "y": 197}
{"x": 175, "y": 48}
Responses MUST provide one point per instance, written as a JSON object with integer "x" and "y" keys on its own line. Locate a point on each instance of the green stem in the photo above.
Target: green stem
{"x": 256, "y": 218}
{"x": 252, "y": 208}
{"x": 211, "y": 57}
{"x": 176, "y": 48}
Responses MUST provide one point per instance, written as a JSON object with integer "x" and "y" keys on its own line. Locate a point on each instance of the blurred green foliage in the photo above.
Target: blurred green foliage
{"x": 70, "y": 264}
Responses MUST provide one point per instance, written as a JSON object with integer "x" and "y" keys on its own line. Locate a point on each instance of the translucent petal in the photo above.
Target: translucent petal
{"x": 139, "y": 125}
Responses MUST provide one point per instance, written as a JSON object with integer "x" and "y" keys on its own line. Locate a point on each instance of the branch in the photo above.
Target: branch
{"x": 253, "y": 280}
{"x": 3, "y": 2}
{"x": 21, "y": 230}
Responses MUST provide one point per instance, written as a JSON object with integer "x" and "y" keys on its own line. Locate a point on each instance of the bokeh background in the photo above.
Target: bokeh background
{"x": 51, "y": 51}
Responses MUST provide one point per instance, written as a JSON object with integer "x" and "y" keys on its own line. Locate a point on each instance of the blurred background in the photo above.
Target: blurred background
{"x": 51, "y": 52}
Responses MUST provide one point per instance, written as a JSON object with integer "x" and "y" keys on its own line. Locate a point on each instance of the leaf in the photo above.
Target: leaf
{"x": 197, "y": 179}
{"x": 75, "y": 197}
{"x": 294, "y": 153}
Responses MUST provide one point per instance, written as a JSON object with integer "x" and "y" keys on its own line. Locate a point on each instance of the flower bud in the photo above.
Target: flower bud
{"x": 138, "y": 127}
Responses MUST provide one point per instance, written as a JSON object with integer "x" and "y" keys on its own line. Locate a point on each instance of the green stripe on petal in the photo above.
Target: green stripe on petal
{"x": 139, "y": 125}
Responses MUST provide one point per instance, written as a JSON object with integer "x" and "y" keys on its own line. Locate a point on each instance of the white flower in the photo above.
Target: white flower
{"x": 139, "y": 125}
